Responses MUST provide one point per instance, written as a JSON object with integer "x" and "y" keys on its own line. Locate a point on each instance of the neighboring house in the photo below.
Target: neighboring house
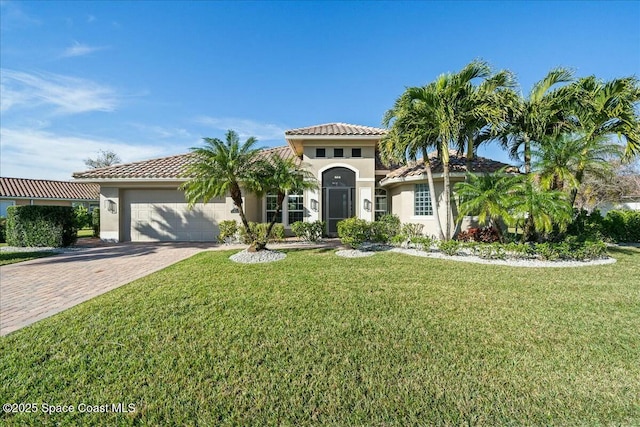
{"x": 22, "y": 191}
{"x": 141, "y": 201}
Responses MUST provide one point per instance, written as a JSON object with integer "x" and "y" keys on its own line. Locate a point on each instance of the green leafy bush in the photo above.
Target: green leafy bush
{"x": 422, "y": 243}
{"x": 95, "y": 222}
{"x": 353, "y": 231}
{"x": 449, "y": 247}
{"x": 488, "y": 250}
{"x": 228, "y": 231}
{"x": 519, "y": 250}
{"x": 308, "y": 231}
{"x": 3, "y": 229}
{"x": 260, "y": 230}
{"x": 34, "y": 225}
{"x": 412, "y": 230}
{"x": 385, "y": 229}
{"x": 586, "y": 224}
{"x": 83, "y": 217}
{"x": 622, "y": 226}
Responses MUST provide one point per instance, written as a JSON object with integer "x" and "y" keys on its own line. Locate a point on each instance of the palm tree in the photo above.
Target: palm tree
{"x": 489, "y": 197}
{"x": 542, "y": 114}
{"x": 220, "y": 168}
{"x": 543, "y": 209}
{"x": 447, "y": 111}
{"x": 411, "y": 133}
{"x": 281, "y": 176}
{"x": 603, "y": 111}
{"x": 562, "y": 160}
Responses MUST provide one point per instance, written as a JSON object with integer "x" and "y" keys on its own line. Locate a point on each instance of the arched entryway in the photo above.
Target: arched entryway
{"x": 338, "y": 194}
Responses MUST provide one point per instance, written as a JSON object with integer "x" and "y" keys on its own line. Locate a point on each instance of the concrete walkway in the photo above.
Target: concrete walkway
{"x": 36, "y": 289}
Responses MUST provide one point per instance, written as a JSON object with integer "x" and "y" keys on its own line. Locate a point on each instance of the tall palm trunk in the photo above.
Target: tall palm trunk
{"x": 432, "y": 192}
{"x": 529, "y": 228}
{"x": 444, "y": 155}
{"x": 260, "y": 245}
{"x": 236, "y": 196}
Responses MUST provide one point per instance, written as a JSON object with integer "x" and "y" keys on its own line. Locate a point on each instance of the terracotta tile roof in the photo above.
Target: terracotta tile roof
{"x": 332, "y": 129}
{"x": 171, "y": 167}
{"x": 46, "y": 189}
{"x": 456, "y": 164}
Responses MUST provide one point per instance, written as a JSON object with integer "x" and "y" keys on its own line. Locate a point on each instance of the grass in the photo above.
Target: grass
{"x": 318, "y": 339}
{"x": 7, "y": 258}
{"x": 85, "y": 232}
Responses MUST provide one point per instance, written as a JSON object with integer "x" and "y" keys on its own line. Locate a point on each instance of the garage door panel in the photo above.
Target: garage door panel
{"x": 163, "y": 215}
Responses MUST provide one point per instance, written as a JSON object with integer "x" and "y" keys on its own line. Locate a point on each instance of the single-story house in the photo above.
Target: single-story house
{"x": 141, "y": 201}
{"x": 22, "y": 191}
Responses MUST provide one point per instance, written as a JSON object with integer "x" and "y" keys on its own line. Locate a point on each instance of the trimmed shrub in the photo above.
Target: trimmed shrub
{"x": 353, "y": 231}
{"x": 260, "y": 230}
{"x": 3, "y": 229}
{"x": 95, "y": 222}
{"x": 586, "y": 224}
{"x": 385, "y": 229}
{"x": 228, "y": 231}
{"x": 622, "y": 226}
{"x": 308, "y": 231}
{"x": 422, "y": 243}
{"x": 53, "y": 226}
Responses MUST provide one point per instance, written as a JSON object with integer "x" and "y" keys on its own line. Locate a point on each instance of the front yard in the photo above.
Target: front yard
{"x": 317, "y": 339}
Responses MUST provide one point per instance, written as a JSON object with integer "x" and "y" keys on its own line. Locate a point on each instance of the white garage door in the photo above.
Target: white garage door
{"x": 162, "y": 215}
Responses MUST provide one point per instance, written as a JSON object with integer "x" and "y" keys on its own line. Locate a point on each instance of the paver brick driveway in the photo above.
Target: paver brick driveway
{"x": 33, "y": 290}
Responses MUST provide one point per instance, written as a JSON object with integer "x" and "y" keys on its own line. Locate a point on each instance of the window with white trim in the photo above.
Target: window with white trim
{"x": 272, "y": 205}
{"x": 381, "y": 207}
{"x": 295, "y": 207}
{"x": 422, "y": 200}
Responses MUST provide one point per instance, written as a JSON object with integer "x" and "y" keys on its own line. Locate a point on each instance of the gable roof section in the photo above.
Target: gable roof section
{"x": 336, "y": 129}
{"x": 171, "y": 168}
{"x": 456, "y": 164}
{"x": 46, "y": 189}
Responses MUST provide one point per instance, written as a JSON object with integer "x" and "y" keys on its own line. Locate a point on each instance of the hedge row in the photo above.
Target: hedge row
{"x": 54, "y": 226}
{"x": 617, "y": 225}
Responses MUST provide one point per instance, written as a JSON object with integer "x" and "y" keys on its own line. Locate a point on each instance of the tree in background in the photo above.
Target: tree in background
{"x": 104, "y": 159}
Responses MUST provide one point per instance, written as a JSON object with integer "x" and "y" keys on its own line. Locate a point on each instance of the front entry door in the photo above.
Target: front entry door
{"x": 339, "y": 206}
{"x": 338, "y": 194}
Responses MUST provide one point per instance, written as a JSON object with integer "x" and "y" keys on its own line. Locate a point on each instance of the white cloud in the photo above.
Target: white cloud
{"x": 68, "y": 95}
{"x": 29, "y": 153}
{"x": 79, "y": 49}
{"x": 163, "y": 132}
{"x": 245, "y": 127}
{"x": 13, "y": 17}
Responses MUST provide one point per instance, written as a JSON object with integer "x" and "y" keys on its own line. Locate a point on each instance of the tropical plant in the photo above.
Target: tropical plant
{"x": 445, "y": 113}
{"x": 544, "y": 210}
{"x": 220, "y": 168}
{"x": 542, "y": 113}
{"x": 279, "y": 175}
{"x": 489, "y": 196}
{"x": 411, "y": 134}
{"x": 602, "y": 112}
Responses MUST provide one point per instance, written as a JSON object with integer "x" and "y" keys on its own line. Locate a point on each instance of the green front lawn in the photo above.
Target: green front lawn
{"x": 14, "y": 257}
{"x": 318, "y": 339}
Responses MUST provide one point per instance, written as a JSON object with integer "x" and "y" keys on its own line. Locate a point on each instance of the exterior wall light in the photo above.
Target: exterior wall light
{"x": 367, "y": 205}
{"x": 314, "y": 205}
{"x": 111, "y": 206}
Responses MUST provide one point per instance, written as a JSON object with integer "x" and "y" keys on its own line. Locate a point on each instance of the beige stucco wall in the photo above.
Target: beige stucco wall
{"x": 364, "y": 168}
{"x": 402, "y": 205}
{"x": 113, "y": 225}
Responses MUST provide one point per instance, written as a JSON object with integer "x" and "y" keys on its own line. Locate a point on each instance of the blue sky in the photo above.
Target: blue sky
{"x": 150, "y": 79}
